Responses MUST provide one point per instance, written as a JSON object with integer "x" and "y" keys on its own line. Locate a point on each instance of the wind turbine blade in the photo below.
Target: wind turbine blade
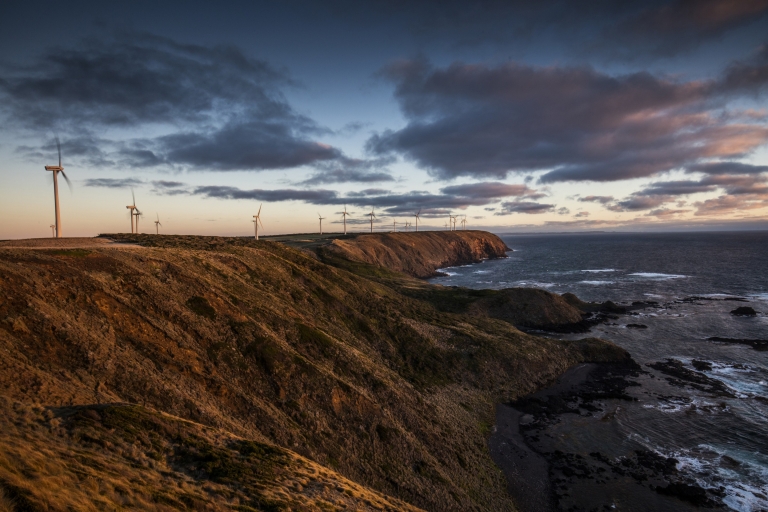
{"x": 262, "y": 204}
{"x": 260, "y": 223}
{"x": 69, "y": 184}
{"x": 58, "y": 147}
{"x": 134, "y": 197}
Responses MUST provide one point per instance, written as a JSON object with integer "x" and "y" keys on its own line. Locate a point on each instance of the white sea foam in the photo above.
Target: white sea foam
{"x": 597, "y": 283}
{"x": 654, "y": 275}
{"x": 534, "y": 284}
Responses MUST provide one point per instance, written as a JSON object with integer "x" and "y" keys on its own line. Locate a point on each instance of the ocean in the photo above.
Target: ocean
{"x": 699, "y": 402}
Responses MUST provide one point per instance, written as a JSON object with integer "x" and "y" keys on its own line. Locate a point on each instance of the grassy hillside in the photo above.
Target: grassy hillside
{"x": 344, "y": 367}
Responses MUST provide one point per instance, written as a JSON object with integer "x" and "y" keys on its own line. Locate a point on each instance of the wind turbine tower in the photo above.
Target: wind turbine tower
{"x": 132, "y": 207}
{"x": 417, "y": 219}
{"x": 464, "y": 223}
{"x": 372, "y": 216}
{"x": 394, "y": 225}
{"x": 157, "y": 224}
{"x": 56, "y": 169}
{"x": 53, "y": 230}
{"x": 321, "y": 224}
{"x": 257, "y": 221}
{"x": 344, "y": 216}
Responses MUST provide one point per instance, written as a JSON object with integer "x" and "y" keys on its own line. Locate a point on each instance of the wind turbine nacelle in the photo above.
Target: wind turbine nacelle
{"x": 54, "y": 168}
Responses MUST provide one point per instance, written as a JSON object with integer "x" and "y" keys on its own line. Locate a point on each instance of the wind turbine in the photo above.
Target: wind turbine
{"x": 136, "y": 213}
{"x": 53, "y": 232}
{"x": 344, "y": 216}
{"x": 56, "y": 170}
{"x": 132, "y": 207}
{"x": 394, "y": 225}
{"x": 406, "y": 225}
{"x": 417, "y": 219}
{"x": 157, "y": 224}
{"x": 464, "y": 223}
{"x": 452, "y": 222}
{"x": 372, "y": 216}
{"x": 257, "y": 221}
{"x": 445, "y": 225}
{"x": 321, "y": 224}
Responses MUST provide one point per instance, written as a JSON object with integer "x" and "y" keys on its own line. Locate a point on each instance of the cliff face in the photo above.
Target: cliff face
{"x": 421, "y": 254}
{"x": 255, "y": 343}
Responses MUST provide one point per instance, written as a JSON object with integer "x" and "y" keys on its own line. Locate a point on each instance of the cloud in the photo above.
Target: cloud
{"x": 563, "y": 211}
{"x": 727, "y": 204}
{"x": 674, "y": 27}
{"x": 113, "y": 182}
{"x": 581, "y": 215}
{"x": 529, "y": 207}
{"x": 451, "y": 198}
{"x": 665, "y": 213}
{"x": 225, "y": 110}
{"x": 727, "y": 168}
{"x": 350, "y": 170}
{"x": 596, "y": 199}
{"x": 573, "y": 123}
{"x": 318, "y": 196}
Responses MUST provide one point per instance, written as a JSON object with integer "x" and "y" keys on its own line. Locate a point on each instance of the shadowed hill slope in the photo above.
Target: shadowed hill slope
{"x": 421, "y": 254}
{"x": 266, "y": 343}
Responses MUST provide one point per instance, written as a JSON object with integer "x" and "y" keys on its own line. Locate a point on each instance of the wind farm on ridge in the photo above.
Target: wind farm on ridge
{"x": 135, "y": 213}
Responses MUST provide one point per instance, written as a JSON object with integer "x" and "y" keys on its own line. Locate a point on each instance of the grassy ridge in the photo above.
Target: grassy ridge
{"x": 339, "y": 363}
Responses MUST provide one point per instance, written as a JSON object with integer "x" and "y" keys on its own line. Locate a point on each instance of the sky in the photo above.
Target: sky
{"x": 516, "y": 116}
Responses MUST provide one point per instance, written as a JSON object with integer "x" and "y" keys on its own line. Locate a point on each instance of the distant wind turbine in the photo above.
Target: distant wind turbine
{"x": 257, "y": 221}
{"x": 445, "y": 225}
{"x": 157, "y": 224}
{"x": 464, "y": 223}
{"x": 344, "y": 216}
{"x": 56, "y": 170}
{"x": 136, "y": 213}
{"x": 406, "y": 225}
{"x": 417, "y": 219}
{"x": 372, "y": 216}
{"x": 321, "y": 223}
{"x": 452, "y": 221}
{"x": 53, "y": 230}
{"x": 394, "y": 225}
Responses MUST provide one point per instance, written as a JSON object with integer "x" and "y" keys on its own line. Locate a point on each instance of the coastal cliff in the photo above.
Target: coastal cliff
{"x": 225, "y": 373}
{"x": 421, "y": 254}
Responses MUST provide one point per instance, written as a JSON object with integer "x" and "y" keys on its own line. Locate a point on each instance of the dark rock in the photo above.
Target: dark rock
{"x": 691, "y": 493}
{"x": 637, "y": 326}
{"x": 759, "y": 345}
{"x": 702, "y": 366}
{"x": 679, "y": 375}
{"x": 744, "y": 311}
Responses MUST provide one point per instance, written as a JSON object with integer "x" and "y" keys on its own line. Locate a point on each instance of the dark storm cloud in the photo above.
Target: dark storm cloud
{"x": 576, "y": 123}
{"x": 113, "y": 182}
{"x": 227, "y": 109}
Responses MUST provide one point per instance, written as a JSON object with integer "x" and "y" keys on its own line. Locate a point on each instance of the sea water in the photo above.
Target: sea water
{"x": 691, "y": 281}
